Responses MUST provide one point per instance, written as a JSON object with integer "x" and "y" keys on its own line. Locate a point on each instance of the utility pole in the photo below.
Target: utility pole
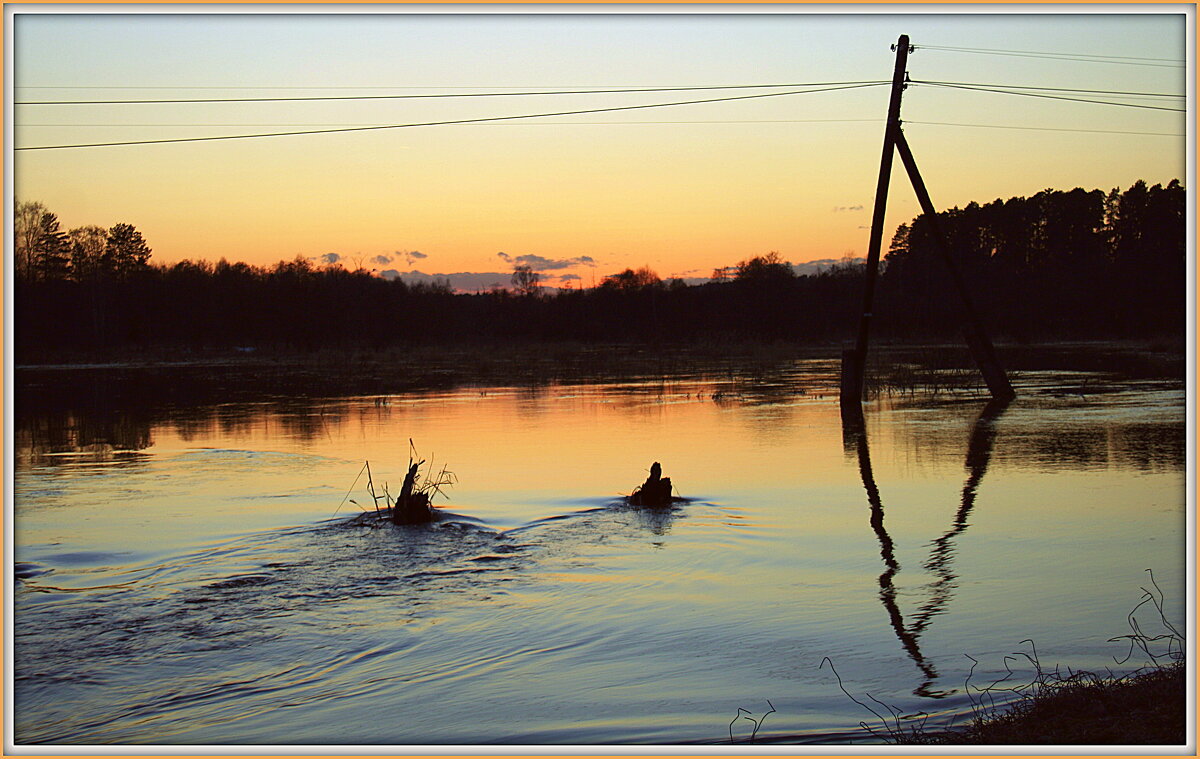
{"x": 854, "y": 359}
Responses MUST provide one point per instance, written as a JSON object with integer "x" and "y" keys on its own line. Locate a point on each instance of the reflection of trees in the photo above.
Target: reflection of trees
{"x": 100, "y": 435}
{"x": 37, "y": 438}
{"x": 1150, "y": 447}
{"x": 1094, "y": 434}
{"x": 941, "y": 557}
{"x": 194, "y": 426}
{"x": 1127, "y": 445}
{"x": 304, "y": 422}
{"x": 202, "y": 423}
{"x": 235, "y": 421}
{"x": 310, "y": 422}
{"x": 1079, "y": 448}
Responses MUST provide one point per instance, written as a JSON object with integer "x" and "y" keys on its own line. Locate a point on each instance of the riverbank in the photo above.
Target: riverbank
{"x": 244, "y": 373}
{"x": 492, "y": 352}
{"x": 155, "y": 378}
{"x": 1148, "y": 708}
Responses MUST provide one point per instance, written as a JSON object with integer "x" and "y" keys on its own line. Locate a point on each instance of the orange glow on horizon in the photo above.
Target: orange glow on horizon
{"x": 682, "y": 190}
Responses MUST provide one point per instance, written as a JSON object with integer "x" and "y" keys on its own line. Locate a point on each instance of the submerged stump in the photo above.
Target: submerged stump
{"x": 411, "y": 507}
{"x": 655, "y": 491}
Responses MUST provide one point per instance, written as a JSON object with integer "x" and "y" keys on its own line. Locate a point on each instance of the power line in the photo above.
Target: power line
{"x": 1045, "y": 129}
{"x": 524, "y": 123}
{"x": 978, "y": 85}
{"x": 1058, "y": 97}
{"x": 440, "y": 123}
{"x": 1053, "y": 89}
{"x": 558, "y": 92}
{"x": 589, "y": 87}
{"x": 649, "y": 123}
{"x": 313, "y": 98}
{"x": 1080, "y": 57}
{"x": 1046, "y": 52}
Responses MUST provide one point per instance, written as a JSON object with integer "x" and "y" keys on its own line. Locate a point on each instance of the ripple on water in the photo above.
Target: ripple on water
{"x": 220, "y": 601}
{"x": 596, "y": 622}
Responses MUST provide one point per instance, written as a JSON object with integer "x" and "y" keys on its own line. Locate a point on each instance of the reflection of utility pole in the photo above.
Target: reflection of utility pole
{"x": 854, "y": 437}
{"x": 941, "y": 557}
{"x": 854, "y": 359}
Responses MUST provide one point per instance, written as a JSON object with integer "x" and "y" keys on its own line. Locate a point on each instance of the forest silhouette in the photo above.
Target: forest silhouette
{"x": 1058, "y": 265}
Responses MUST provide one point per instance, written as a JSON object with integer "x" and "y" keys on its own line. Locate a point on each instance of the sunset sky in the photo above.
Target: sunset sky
{"x": 682, "y": 189}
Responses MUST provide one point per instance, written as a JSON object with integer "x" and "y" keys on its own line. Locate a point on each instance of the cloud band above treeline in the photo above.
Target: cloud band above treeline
{"x": 539, "y": 263}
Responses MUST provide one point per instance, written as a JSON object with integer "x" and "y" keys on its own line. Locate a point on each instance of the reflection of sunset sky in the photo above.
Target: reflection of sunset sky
{"x": 681, "y": 198}
{"x": 712, "y": 437}
{"x": 779, "y": 559}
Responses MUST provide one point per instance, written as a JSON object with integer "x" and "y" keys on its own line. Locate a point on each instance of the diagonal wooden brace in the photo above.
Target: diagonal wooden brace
{"x": 977, "y": 339}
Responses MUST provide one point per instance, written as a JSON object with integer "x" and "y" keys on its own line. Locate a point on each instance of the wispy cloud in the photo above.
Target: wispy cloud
{"x": 463, "y": 281}
{"x": 540, "y": 263}
{"x": 823, "y": 264}
{"x": 474, "y": 281}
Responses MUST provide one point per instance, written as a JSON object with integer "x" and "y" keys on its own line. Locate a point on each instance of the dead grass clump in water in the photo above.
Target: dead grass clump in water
{"x": 746, "y": 714}
{"x": 929, "y": 371}
{"x": 423, "y": 489}
{"x": 903, "y": 728}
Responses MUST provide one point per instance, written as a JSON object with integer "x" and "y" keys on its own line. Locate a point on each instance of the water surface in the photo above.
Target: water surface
{"x": 197, "y": 575}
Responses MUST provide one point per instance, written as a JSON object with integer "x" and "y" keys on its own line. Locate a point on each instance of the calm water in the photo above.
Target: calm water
{"x": 191, "y": 578}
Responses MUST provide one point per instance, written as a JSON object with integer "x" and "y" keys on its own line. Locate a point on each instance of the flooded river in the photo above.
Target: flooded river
{"x": 196, "y": 574}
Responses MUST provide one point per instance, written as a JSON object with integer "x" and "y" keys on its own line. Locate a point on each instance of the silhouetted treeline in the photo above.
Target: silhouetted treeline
{"x": 1058, "y": 264}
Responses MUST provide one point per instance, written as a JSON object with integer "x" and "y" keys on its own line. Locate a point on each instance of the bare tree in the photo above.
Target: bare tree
{"x": 525, "y": 280}
{"x": 26, "y": 231}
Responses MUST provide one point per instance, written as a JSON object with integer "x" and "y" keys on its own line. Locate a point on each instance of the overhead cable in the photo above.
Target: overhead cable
{"x": 588, "y": 87}
{"x": 1051, "y": 89}
{"x": 62, "y": 125}
{"x": 443, "y": 123}
{"x": 1058, "y": 97}
{"x": 1045, "y": 129}
{"x": 1080, "y": 57}
{"x": 654, "y": 123}
{"x": 316, "y": 98}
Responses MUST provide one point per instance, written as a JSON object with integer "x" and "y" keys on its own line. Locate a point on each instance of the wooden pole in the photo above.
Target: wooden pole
{"x": 853, "y": 360}
{"x": 977, "y": 339}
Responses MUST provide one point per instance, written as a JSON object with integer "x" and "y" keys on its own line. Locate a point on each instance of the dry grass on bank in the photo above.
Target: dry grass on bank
{"x": 1147, "y": 708}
